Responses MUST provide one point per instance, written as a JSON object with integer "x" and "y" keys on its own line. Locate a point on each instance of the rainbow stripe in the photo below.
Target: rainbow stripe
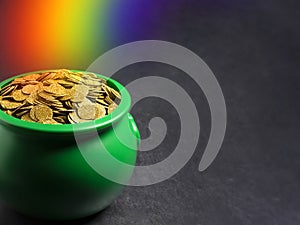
{"x": 47, "y": 34}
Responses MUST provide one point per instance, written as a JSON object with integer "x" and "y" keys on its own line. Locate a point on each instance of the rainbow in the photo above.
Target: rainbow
{"x": 38, "y": 35}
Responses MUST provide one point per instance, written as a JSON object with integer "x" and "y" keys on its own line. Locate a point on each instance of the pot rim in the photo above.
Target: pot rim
{"x": 119, "y": 112}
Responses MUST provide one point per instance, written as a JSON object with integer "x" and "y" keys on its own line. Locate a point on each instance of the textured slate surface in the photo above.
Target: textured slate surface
{"x": 253, "y": 49}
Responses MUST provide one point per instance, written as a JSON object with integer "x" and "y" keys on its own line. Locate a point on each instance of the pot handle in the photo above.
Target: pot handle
{"x": 134, "y": 127}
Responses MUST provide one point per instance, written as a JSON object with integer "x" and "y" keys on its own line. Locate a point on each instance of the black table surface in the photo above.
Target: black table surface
{"x": 253, "y": 49}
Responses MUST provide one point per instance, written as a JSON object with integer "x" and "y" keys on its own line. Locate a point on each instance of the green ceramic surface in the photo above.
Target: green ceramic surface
{"x": 43, "y": 173}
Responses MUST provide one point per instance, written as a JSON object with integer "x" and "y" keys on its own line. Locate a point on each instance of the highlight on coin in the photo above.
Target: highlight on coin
{"x": 59, "y": 97}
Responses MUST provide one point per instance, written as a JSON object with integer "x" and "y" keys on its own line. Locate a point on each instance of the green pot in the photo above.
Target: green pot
{"x": 44, "y": 171}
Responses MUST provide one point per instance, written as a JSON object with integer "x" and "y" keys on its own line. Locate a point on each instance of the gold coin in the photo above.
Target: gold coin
{"x": 79, "y": 93}
{"x": 32, "y": 98}
{"x": 111, "y": 108}
{"x": 82, "y": 88}
{"x": 74, "y": 118}
{"x": 6, "y": 104}
{"x": 67, "y": 96}
{"x": 90, "y": 76}
{"x": 100, "y": 112}
{"x": 46, "y": 96}
{"x": 115, "y": 93}
{"x": 66, "y": 84}
{"x": 73, "y": 78}
{"x": 19, "y": 96}
{"x": 31, "y": 77}
{"x": 56, "y": 89}
{"x": 91, "y": 82}
{"x": 49, "y": 82}
{"x": 29, "y": 89}
{"x": 109, "y": 100}
{"x": 87, "y": 111}
{"x": 42, "y": 113}
{"x": 27, "y": 117}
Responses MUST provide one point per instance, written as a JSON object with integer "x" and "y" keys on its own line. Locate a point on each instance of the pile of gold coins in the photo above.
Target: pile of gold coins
{"x": 59, "y": 97}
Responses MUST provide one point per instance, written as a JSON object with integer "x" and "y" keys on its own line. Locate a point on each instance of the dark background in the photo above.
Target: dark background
{"x": 253, "y": 49}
